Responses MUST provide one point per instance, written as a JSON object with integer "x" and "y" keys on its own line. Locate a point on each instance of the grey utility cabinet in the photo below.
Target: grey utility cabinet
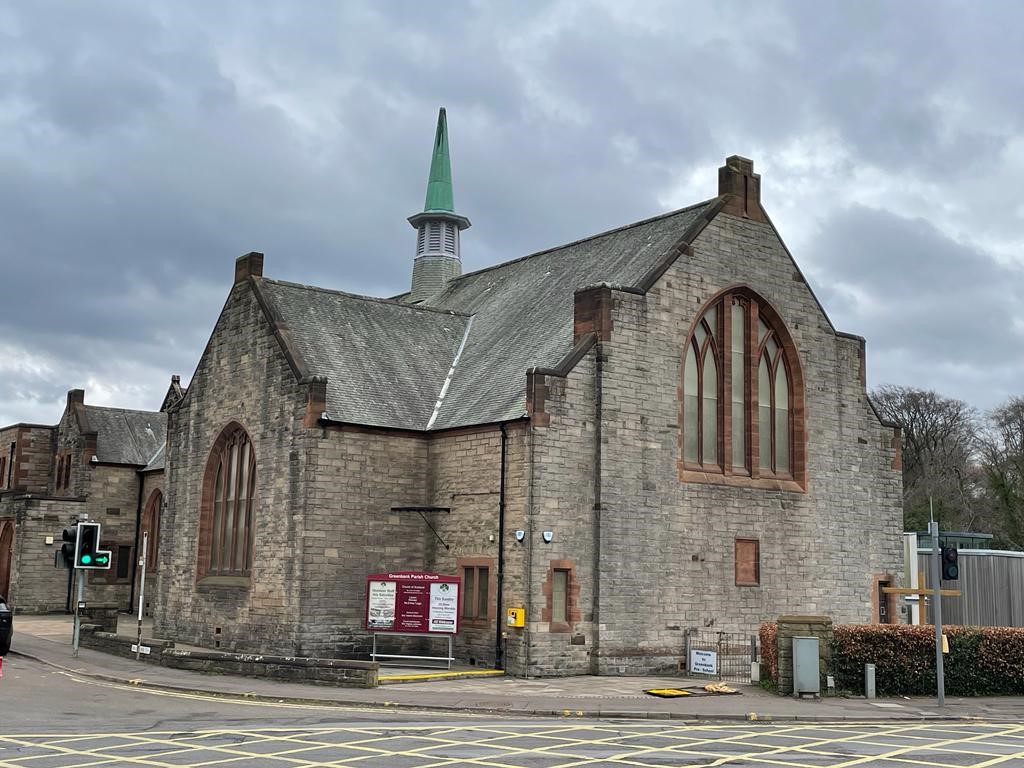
{"x": 806, "y": 675}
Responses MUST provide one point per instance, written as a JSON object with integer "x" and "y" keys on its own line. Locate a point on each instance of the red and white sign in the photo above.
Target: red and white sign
{"x": 412, "y": 602}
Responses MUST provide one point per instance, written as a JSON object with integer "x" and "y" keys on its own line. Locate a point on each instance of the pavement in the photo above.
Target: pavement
{"x": 47, "y": 639}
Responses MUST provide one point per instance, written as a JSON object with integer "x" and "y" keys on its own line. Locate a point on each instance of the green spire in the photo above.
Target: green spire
{"x": 439, "y": 186}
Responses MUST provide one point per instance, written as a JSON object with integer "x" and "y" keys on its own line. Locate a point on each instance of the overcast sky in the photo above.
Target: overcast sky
{"x": 145, "y": 145}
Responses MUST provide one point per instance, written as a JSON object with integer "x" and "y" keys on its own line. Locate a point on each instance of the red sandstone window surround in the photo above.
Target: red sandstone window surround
{"x": 226, "y": 519}
{"x": 561, "y": 596}
{"x": 742, "y": 409}
{"x": 748, "y": 563}
{"x": 151, "y": 525}
{"x": 478, "y": 590}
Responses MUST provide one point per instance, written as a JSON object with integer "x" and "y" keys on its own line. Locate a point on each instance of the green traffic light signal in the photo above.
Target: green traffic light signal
{"x": 87, "y": 548}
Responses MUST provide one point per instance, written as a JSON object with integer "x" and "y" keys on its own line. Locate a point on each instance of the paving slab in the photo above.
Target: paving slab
{"x": 48, "y": 640}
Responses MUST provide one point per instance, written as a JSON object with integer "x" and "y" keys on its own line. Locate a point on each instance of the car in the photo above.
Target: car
{"x": 6, "y": 626}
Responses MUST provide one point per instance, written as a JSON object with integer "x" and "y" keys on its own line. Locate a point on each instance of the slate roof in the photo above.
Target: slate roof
{"x": 387, "y": 363}
{"x": 156, "y": 463}
{"x": 124, "y": 436}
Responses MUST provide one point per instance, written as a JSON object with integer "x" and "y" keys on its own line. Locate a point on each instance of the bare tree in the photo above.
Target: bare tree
{"x": 1001, "y": 451}
{"x": 939, "y": 439}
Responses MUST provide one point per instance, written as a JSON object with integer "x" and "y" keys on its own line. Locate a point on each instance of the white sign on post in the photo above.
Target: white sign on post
{"x": 704, "y": 662}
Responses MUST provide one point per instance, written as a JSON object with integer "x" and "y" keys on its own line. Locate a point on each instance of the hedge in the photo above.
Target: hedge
{"x": 982, "y": 661}
{"x": 769, "y": 653}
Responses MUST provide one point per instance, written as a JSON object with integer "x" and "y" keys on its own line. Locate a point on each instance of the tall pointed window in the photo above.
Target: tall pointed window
{"x": 701, "y": 392}
{"x": 151, "y": 525}
{"x": 226, "y": 523}
{"x": 742, "y": 390}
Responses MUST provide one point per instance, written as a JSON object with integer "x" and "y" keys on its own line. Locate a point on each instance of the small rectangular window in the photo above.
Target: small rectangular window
{"x": 482, "y": 582}
{"x": 123, "y": 562}
{"x": 559, "y": 595}
{"x": 748, "y": 563}
{"x": 475, "y": 592}
{"x": 468, "y": 578}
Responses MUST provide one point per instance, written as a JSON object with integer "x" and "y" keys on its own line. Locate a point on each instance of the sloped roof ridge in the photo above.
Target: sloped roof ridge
{"x": 120, "y": 410}
{"x": 360, "y": 297}
{"x": 599, "y": 235}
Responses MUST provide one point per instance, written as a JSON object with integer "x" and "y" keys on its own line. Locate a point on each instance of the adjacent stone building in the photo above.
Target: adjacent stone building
{"x": 644, "y": 431}
{"x": 106, "y": 463}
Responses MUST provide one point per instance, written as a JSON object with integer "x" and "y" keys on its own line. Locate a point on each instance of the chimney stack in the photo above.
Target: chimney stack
{"x": 737, "y": 180}
{"x": 250, "y": 265}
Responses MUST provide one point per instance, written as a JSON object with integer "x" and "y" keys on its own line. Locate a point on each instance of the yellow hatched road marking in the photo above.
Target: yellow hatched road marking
{"x": 722, "y": 759}
{"x": 696, "y": 741}
{"x": 915, "y": 748}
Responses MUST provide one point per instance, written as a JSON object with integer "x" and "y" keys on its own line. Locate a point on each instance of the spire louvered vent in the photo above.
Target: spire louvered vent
{"x": 438, "y": 259}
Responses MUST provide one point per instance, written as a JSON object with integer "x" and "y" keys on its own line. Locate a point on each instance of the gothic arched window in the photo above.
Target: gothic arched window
{"x": 226, "y": 521}
{"x": 151, "y": 525}
{"x": 742, "y": 391}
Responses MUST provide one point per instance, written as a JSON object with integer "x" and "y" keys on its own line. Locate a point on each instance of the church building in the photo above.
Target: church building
{"x": 97, "y": 463}
{"x": 644, "y": 431}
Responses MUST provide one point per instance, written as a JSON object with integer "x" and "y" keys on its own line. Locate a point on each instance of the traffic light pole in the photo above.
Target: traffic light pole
{"x": 142, "y": 593}
{"x": 933, "y": 529}
{"x": 79, "y": 598}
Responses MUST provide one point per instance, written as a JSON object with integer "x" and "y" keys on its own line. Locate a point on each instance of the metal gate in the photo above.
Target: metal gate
{"x": 719, "y": 655}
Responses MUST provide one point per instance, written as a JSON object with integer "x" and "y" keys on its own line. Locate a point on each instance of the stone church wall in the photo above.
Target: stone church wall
{"x": 354, "y": 478}
{"x": 465, "y": 476}
{"x": 666, "y": 547}
{"x": 112, "y": 501}
{"x": 37, "y": 586}
{"x": 243, "y": 377}
{"x": 564, "y": 498}
{"x": 28, "y": 469}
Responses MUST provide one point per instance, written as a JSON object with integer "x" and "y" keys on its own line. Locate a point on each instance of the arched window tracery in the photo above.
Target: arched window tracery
{"x": 226, "y": 520}
{"x": 742, "y": 393}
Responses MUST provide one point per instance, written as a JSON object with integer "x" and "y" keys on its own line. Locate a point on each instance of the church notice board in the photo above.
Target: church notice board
{"x": 412, "y": 602}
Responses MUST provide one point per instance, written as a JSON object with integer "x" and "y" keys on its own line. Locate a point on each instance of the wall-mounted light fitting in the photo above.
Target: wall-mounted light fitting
{"x": 520, "y": 535}
{"x": 548, "y": 536}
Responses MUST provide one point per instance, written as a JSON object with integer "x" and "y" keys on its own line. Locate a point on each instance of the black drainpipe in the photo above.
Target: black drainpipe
{"x": 135, "y": 549}
{"x": 499, "y": 634}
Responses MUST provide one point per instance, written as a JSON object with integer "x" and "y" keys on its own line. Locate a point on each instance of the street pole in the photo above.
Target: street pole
{"x": 79, "y": 598}
{"x": 933, "y": 529}
{"x": 142, "y": 593}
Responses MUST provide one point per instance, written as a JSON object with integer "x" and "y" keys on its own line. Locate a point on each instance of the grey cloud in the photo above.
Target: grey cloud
{"x": 937, "y": 312}
{"x": 147, "y": 145}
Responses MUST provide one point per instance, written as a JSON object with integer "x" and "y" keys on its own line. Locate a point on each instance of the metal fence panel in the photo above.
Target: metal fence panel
{"x": 720, "y": 655}
{"x": 992, "y": 583}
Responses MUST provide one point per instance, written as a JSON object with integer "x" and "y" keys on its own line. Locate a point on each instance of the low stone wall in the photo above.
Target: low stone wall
{"x": 96, "y": 637}
{"x": 299, "y": 669}
{"x": 103, "y": 615}
{"x": 789, "y": 627}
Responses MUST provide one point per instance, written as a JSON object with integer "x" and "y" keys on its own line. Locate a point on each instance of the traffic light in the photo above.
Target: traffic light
{"x": 950, "y": 568}
{"x": 87, "y": 549}
{"x": 67, "y": 549}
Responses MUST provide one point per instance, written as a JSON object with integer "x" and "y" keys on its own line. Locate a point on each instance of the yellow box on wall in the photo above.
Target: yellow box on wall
{"x": 516, "y": 617}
